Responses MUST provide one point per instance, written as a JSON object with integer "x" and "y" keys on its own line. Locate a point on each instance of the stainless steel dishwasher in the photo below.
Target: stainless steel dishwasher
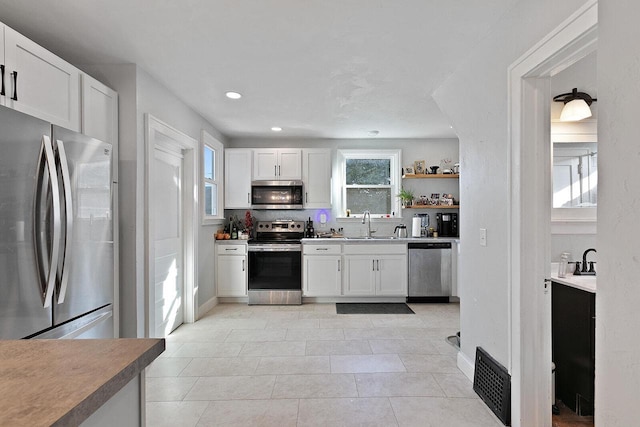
{"x": 430, "y": 275}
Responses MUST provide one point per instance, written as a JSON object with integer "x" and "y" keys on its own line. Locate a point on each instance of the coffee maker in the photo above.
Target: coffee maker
{"x": 447, "y": 224}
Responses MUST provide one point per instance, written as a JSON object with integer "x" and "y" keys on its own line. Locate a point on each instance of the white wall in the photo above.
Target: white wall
{"x": 140, "y": 93}
{"x": 618, "y": 298}
{"x": 475, "y": 100}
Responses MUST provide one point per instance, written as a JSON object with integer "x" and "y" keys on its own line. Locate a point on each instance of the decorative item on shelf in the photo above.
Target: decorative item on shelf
{"x": 406, "y": 197}
{"x": 447, "y": 200}
{"x": 424, "y": 200}
{"x": 420, "y": 167}
{"x": 456, "y": 168}
{"x": 434, "y": 169}
{"x": 409, "y": 170}
{"x": 435, "y": 199}
{"x": 446, "y": 165}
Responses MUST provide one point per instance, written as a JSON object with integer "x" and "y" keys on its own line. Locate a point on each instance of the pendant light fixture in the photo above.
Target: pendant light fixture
{"x": 576, "y": 105}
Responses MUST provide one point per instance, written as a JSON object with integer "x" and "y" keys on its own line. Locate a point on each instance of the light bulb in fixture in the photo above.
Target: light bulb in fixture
{"x": 276, "y": 129}
{"x": 576, "y": 105}
{"x": 233, "y": 95}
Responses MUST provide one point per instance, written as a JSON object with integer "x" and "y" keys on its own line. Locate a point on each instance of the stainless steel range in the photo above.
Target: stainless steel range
{"x": 275, "y": 263}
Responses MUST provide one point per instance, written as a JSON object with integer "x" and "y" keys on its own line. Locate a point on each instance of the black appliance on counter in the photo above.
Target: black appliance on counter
{"x": 275, "y": 263}
{"x": 447, "y": 224}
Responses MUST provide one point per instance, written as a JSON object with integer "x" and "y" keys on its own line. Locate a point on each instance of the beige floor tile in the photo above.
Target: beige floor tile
{"x": 392, "y": 321}
{"x": 248, "y": 335}
{"x": 345, "y": 322}
{"x": 440, "y": 412}
{"x": 456, "y": 385}
{"x": 170, "y": 348}
{"x": 402, "y": 346}
{"x": 426, "y": 333}
{"x": 372, "y": 334}
{"x": 174, "y": 414}
{"x": 444, "y": 347}
{"x": 201, "y": 333}
{"x": 430, "y": 363}
{"x": 254, "y": 413}
{"x": 366, "y": 363}
{"x": 239, "y": 323}
{"x": 293, "y": 365}
{"x": 166, "y": 389}
{"x": 313, "y": 386}
{"x": 220, "y": 366}
{"x": 274, "y": 348}
{"x": 229, "y": 388}
{"x": 167, "y": 366}
{"x": 397, "y": 384}
{"x": 297, "y": 324}
{"x": 368, "y": 412}
{"x": 278, "y": 315}
{"x": 205, "y": 349}
{"x": 328, "y": 348}
{"x": 314, "y": 334}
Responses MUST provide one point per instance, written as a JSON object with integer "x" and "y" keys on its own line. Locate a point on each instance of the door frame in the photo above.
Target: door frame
{"x": 529, "y": 204}
{"x": 189, "y": 148}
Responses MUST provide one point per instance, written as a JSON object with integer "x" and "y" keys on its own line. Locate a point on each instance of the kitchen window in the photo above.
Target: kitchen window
{"x": 212, "y": 178}
{"x": 369, "y": 182}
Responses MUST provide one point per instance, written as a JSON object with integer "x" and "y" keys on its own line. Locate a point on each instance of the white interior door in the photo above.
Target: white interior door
{"x": 168, "y": 240}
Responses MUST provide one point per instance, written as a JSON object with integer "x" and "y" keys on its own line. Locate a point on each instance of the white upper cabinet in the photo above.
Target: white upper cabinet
{"x": 39, "y": 83}
{"x": 316, "y": 175}
{"x": 237, "y": 178}
{"x": 277, "y": 164}
{"x": 99, "y": 118}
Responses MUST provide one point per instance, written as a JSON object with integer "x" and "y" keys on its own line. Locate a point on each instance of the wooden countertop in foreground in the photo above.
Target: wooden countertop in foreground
{"x": 62, "y": 382}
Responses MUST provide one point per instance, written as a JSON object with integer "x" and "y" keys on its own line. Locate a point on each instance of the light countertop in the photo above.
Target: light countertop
{"x": 585, "y": 283}
{"x": 324, "y": 240}
{"x": 63, "y": 382}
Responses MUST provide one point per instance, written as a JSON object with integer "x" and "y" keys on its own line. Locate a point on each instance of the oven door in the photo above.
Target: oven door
{"x": 275, "y": 267}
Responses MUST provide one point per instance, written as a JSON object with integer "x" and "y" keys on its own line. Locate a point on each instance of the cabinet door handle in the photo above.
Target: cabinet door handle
{"x": 338, "y": 265}
{"x": 15, "y": 86}
{"x": 378, "y": 264}
{"x": 306, "y": 197}
{"x": 242, "y": 265}
{"x": 275, "y": 170}
{"x": 2, "y": 77}
{"x": 229, "y": 249}
{"x": 373, "y": 265}
{"x": 322, "y": 249}
{"x": 249, "y": 198}
{"x": 279, "y": 173}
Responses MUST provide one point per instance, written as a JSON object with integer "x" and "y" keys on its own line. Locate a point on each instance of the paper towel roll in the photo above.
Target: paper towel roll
{"x": 416, "y": 224}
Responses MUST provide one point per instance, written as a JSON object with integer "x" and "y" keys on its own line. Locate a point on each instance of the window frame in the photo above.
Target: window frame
{"x": 209, "y": 141}
{"x": 395, "y": 181}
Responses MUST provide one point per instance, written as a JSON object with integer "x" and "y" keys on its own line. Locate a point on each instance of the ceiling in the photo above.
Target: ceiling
{"x": 318, "y": 69}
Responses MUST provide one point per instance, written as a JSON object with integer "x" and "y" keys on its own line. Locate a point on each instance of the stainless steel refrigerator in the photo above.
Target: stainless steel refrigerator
{"x": 56, "y": 231}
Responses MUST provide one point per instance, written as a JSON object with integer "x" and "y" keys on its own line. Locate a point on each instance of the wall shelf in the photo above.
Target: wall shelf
{"x": 432, "y": 207}
{"x": 431, "y": 175}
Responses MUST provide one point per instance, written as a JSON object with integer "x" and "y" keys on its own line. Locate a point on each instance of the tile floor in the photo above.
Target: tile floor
{"x": 308, "y": 366}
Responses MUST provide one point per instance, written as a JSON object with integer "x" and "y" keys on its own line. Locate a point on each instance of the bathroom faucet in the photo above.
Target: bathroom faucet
{"x": 591, "y": 271}
{"x": 366, "y": 214}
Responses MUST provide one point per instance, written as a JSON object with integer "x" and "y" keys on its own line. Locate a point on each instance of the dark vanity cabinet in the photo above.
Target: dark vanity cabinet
{"x": 573, "y": 314}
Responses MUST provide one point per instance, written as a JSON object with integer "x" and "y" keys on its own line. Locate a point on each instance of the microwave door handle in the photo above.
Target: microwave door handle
{"x": 68, "y": 208}
{"x": 49, "y": 163}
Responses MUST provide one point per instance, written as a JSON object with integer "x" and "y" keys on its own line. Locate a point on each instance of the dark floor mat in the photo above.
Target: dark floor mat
{"x": 373, "y": 308}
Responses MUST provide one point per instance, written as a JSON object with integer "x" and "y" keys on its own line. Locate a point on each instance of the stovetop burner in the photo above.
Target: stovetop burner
{"x": 279, "y": 231}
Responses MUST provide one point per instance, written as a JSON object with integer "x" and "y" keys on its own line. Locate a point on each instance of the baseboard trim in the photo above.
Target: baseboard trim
{"x": 466, "y": 365}
{"x": 207, "y": 306}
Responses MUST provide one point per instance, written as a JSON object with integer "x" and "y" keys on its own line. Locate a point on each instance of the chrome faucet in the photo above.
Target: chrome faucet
{"x": 591, "y": 270}
{"x": 366, "y": 214}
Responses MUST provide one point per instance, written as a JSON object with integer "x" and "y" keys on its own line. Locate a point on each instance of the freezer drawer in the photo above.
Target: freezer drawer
{"x": 430, "y": 272}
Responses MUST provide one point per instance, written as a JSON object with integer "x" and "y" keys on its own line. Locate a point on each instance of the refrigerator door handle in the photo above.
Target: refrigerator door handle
{"x": 47, "y": 160}
{"x": 63, "y": 274}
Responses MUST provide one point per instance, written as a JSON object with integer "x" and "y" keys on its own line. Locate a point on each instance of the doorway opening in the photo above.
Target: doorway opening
{"x": 530, "y": 211}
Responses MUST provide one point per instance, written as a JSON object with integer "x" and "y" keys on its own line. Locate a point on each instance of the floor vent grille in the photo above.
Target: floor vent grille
{"x": 492, "y": 383}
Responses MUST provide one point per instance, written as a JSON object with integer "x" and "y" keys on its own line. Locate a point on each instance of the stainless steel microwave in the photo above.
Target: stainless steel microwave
{"x": 277, "y": 195}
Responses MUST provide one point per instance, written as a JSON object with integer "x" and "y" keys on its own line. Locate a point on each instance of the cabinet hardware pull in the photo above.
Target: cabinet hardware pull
{"x": 15, "y": 86}
{"x": 373, "y": 265}
{"x": 306, "y": 197}
{"x": 2, "y": 77}
{"x": 322, "y": 249}
{"x": 249, "y": 198}
{"x": 275, "y": 170}
{"x": 279, "y": 173}
{"x": 229, "y": 249}
{"x": 378, "y": 264}
{"x": 338, "y": 265}
{"x": 242, "y": 265}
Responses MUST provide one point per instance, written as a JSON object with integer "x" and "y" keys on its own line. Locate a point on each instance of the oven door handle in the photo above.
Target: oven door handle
{"x": 275, "y": 248}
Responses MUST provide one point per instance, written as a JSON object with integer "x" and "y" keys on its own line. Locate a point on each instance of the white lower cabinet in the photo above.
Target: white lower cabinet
{"x": 375, "y": 270}
{"x": 231, "y": 270}
{"x": 322, "y": 270}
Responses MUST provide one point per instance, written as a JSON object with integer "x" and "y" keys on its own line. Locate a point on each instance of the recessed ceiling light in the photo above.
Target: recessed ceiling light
{"x": 373, "y": 132}
{"x": 276, "y": 128}
{"x": 233, "y": 95}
